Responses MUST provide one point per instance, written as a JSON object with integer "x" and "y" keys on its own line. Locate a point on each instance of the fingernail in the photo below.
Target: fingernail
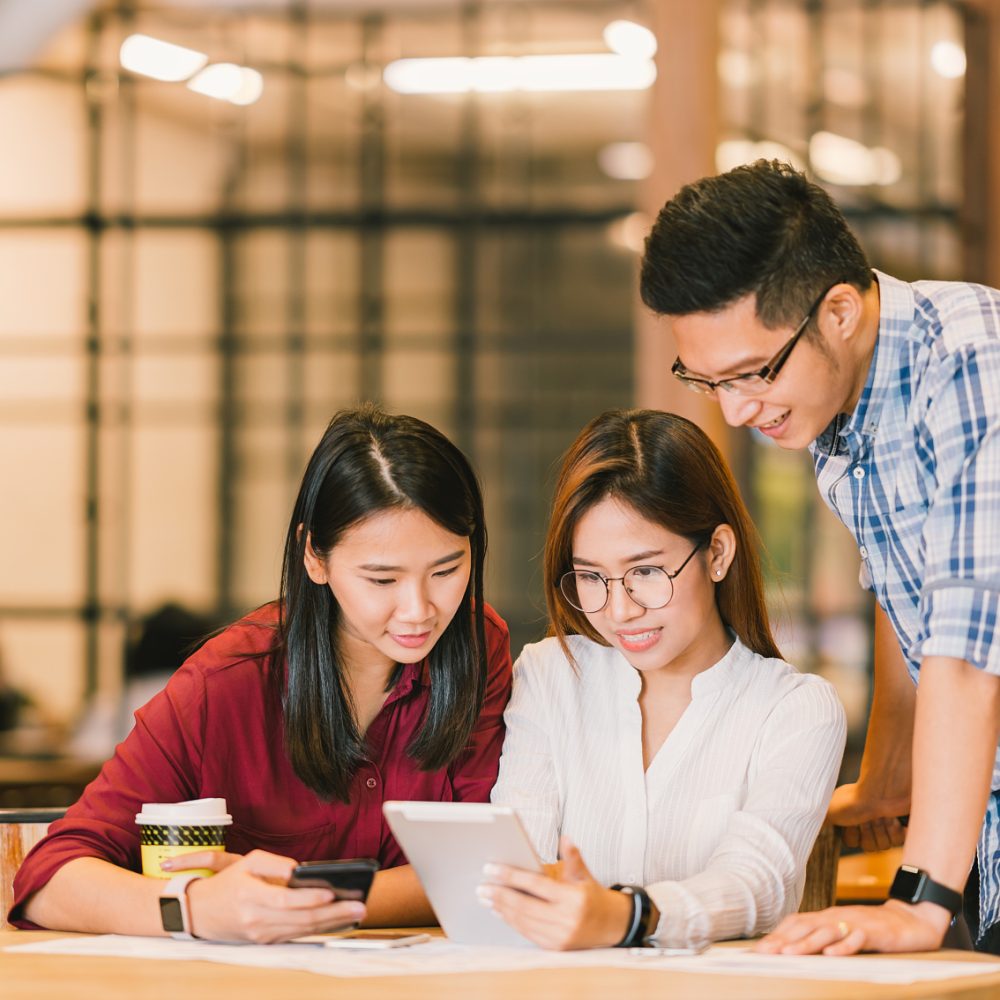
{"x": 485, "y": 897}
{"x": 357, "y": 910}
{"x": 490, "y": 870}
{"x": 167, "y": 865}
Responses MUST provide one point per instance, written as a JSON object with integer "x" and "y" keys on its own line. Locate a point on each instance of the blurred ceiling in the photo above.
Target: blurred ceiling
{"x": 26, "y": 26}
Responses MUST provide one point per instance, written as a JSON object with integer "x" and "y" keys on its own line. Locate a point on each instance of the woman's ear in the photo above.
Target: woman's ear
{"x": 315, "y": 567}
{"x": 721, "y": 552}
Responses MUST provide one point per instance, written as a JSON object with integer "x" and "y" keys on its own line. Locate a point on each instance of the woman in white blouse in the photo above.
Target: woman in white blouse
{"x": 657, "y": 743}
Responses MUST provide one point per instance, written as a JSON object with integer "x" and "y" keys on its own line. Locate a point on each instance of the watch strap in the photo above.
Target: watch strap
{"x": 174, "y": 904}
{"x": 642, "y": 916}
{"x": 914, "y": 885}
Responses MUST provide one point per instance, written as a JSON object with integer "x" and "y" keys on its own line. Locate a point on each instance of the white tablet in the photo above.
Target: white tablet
{"x": 448, "y": 843}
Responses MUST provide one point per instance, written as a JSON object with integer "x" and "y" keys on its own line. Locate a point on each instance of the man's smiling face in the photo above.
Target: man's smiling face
{"x": 811, "y": 389}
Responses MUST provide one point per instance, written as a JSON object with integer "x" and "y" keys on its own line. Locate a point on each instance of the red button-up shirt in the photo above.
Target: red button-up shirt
{"x": 216, "y": 731}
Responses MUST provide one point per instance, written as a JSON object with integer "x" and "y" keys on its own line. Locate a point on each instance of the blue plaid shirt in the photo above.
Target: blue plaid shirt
{"x": 914, "y": 473}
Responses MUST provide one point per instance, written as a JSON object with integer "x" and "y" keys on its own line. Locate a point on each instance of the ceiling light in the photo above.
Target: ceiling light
{"x": 229, "y": 82}
{"x": 160, "y": 60}
{"x": 502, "y": 74}
{"x": 840, "y": 160}
{"x": 630, "y": 40}
{"x": 733, "y": 153}
{"x": 626, "y": 161}
{"x": 948, "y": 60}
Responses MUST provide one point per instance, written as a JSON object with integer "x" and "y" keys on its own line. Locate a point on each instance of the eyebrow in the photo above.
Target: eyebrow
{"x": 379, "y": 568}
{"x": 743, "y": 366}
{"x": 638, "y": 557}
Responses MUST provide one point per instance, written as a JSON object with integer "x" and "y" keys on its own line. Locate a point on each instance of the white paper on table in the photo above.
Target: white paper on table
{"x": 440, "y": 957}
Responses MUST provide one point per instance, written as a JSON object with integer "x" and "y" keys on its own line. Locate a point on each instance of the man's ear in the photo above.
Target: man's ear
{"x": 845, "y": 310}
{"x": 315, "y": 566}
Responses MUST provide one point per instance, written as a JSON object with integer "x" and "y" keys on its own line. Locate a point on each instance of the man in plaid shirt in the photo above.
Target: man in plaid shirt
{"x": 895, "y": 390}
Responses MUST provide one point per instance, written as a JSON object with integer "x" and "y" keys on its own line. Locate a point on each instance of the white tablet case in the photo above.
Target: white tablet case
{"x": 448, "y": 843}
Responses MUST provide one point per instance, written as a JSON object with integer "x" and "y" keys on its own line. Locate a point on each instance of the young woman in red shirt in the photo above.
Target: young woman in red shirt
{"x": 380, "y": 673}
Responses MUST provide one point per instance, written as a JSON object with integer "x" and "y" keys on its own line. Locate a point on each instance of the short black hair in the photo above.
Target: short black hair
{"x": 763, "y": 228}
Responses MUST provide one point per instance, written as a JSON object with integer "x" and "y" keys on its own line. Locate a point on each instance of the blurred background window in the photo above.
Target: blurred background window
{"x": 221, "y": 221}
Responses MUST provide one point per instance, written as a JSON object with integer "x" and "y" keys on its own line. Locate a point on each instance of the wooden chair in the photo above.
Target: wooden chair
{"x": 821, "y": 871}
{"x": 20, "y": 830}
{"x": 856, "y": 878}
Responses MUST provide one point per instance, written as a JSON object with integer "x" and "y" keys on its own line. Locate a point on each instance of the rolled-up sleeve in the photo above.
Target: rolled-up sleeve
{"x": 959, "y": 441}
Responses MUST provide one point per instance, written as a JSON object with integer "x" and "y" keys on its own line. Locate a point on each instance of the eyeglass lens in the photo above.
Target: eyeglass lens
{"x": 649, "y": 586}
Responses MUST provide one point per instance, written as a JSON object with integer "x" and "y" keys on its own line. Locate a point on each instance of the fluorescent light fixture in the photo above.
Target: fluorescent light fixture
{"x": 840, "y": 160}
{"x": 735, "y": 152}
{"x": 948, "y": 60}
{"x": 229, "y": 82}
{"x": 503, "y": 74}
{"x": 160, "y": 60}
{"x": 631, "y": 40}
{"x": 626, "y": 161}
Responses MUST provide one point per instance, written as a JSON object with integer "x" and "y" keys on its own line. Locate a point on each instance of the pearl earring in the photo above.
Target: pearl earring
{"x": 718, "y": 572}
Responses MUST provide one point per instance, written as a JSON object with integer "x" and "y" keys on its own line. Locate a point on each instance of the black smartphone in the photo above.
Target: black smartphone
{"x": 349, "y": 879}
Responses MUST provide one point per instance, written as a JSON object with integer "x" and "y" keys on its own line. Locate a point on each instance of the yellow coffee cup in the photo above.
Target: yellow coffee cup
{"x": 173, "y": 828}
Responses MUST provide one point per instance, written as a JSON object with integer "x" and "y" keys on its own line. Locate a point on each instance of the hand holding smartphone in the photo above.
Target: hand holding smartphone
{"x": 350, "y": 879}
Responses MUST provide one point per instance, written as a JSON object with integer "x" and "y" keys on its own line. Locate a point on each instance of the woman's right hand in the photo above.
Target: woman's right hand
{"x": 250, "y": 900}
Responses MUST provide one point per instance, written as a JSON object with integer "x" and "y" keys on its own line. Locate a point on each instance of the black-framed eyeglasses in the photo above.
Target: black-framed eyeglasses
{"x": 651, "y": 587}
{"x": 751, "y": 383}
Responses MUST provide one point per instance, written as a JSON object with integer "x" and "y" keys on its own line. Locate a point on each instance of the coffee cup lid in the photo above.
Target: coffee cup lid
{"x": 194, "y": 812}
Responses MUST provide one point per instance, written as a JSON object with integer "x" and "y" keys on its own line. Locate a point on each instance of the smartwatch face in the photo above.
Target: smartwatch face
{"x": 907, "y": 884}
{"x": 170, "y": 914}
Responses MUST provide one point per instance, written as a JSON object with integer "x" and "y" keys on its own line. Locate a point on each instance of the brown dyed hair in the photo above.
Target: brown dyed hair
{"x": 667, "y": 470}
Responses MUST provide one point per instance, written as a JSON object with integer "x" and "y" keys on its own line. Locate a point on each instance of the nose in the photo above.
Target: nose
{"x": 414, "y": 607}
{"x": 737, "y": 410}
{"x": 621, "y": 607}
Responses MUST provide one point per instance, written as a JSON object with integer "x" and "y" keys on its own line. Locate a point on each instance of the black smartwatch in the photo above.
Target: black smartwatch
{"x": 914, "y": 885}
{"x": 645, "y": 917}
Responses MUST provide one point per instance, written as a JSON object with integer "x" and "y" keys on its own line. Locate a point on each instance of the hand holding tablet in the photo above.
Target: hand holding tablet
{"x": 449, "y": 844}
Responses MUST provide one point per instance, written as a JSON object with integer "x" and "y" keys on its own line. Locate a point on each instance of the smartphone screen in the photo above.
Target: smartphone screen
{"x": 349, "y": 879}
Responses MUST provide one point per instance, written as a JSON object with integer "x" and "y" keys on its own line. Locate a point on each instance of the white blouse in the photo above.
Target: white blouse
{"x": 719, "y": 828}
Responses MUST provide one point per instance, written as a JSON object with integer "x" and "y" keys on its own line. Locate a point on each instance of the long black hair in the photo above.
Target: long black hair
{"x": 367, "y": 462}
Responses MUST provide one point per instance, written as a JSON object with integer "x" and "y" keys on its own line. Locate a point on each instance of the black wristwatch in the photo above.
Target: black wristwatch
{"x": 914, "y": 885}
{"x": 645, "y": 916}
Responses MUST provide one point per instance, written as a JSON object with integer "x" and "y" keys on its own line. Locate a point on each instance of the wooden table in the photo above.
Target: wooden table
{"x": 58, "y": 977}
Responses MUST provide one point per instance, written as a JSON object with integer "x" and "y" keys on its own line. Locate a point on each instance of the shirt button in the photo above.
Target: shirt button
{"x": 859, "y": 473}
{"x": 371, "y": 783}
{"x": 864, "y": 552}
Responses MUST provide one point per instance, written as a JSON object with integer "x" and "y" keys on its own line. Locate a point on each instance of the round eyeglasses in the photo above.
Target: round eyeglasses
{"x": 651, "y": 587}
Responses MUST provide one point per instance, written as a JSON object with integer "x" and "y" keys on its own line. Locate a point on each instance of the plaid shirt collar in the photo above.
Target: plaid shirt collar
{"x": 853, "y": 432}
